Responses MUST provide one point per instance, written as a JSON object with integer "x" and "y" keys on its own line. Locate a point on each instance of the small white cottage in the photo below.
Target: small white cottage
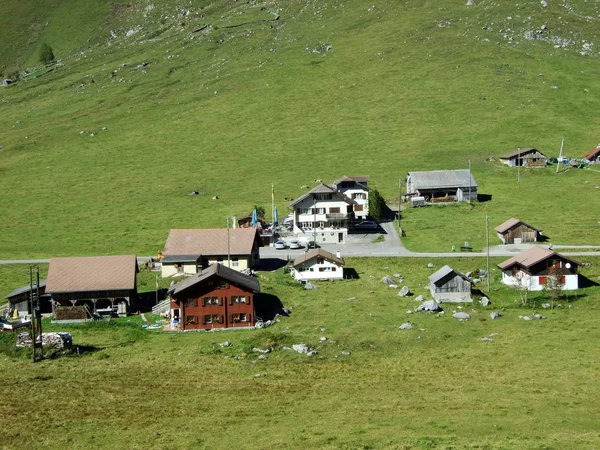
{"x": 318, "y": 264}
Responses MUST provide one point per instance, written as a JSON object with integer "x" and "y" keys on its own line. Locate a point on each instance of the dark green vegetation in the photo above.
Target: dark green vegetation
{"x": 46, "y": 54}
{"x": 436, "y": 386}
{"x": 225, "y": 99}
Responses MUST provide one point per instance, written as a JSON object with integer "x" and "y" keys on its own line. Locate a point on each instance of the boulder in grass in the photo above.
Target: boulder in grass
{"x": 495, "y": 315}
{"x": 429, "y": 305}
{"x": 430, "y": 265}
{"x": 300, "y": 348}
{"x": 388, "y": 280}
{"x": 406, "y": 326}
{"x": 404, "y": 291}
{"x": 485, "y": 301}
{"x": 310, "y": 287}
{"x": 461, "y": 315}
{"x": 420, "y": 298}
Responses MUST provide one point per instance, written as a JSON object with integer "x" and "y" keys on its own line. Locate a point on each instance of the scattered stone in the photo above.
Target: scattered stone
{"x": 430, "y": 265}
{"x": 539, "y": 316}
{"x": 397, "y": 275}
{"x": 287, "y": 349}
{"x": 404, "y": 291}
{"x": 546, "y": 305}
{"x": 323, "y": 339}
{"x": 408, "y": 311}
{"x": 487, "y": 339}
{"x": 461, "y": 315}
{"x": 493, "y": 334}
{"x": 260, "y": 350}
{"x": 310, "y": 287}
{"x": 393, "y": 286}
{"x": 313, "y": 353}
{"x": 55, "y": 341}
{"x": 346, "y": 353}
{"x": 470, "y": 2}
{"x": 260, "y": 375}
{"x": 406, "y": 326}
{"x": 485, "y": 301}
{"x": 225, "y": 344}
{"x": 262, "y": 357}
{"x": 351, "y": 298}
{"x": 525, "y": 317}
{"x": 495, "y": 315}
{"x": 323, "y": 330}
{"x": 6, "y": 82}
{"x": 300, "y": 348}
{"x": 429, "y": 305}
{"x": 420, "y": 298}
{"x": 216, "y": 197}
{"x": 387, "y": 280}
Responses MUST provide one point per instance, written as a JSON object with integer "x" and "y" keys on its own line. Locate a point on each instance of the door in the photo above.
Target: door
{"x": 340, "y": 237}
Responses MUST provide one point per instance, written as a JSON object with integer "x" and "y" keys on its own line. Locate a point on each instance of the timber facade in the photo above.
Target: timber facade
{"x": 515, "y": 231}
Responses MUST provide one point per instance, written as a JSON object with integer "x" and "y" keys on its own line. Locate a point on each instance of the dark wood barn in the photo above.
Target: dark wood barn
{"x": 593, "y": 156}
{"x": 525, "y": 157}
{"x": 438, "y": 186}
{"x": 101, "y": 283}
{"x": 450, "y": 286}
{"x": 515, "y": 231}
{"x": 19, "y": 299}
{"x": 217, "y": 297}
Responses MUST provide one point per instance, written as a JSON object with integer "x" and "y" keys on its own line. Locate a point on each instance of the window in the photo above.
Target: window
{"x": 358, "y": 196}
{"x": 220, "y": 260}
{"x": 179, "y": 268}
{"x": 320, "y": 260}
{"x": 305, "y": 211}
{"x": 320, "y": 210}
{"x": 191, "y": 320}
{"x": 323, "y": 196}
{"x": 223, "y": 284}
{"x": 211, "y": 301}
{"x": 306, "y": 225}
{"x": 239, "y": 300}
{"x": 235, "y": 262}
{"x": 191, "y": 302}
{"x": 335, "y": 210}
{"x": 212, "y": 318}
{"x": 358, "y": 207}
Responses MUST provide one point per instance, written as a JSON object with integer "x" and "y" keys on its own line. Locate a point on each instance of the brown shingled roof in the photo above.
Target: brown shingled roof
{"x": 210, "y": 241}
{"x": 510, "y": 223}
{"x": 93, "y": 273}
{"x": 231, "y": 275}
{"x": 312, "y": 254}
{"x": 531, "y": 257}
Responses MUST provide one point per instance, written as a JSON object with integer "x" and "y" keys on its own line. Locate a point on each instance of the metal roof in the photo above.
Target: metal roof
{"x": 211, "y": 241}
{"x": 445, "y": 271}
{"x": 434, "y": 179}
{"x": 360, "y": 179}
{"x": 531, "y": 257}
{"x": 593, "y": 153}
{"x": 322, "y": 189}
{"x": 317, "y": 252}
{"x": 24, "y": 289}
{"x": 180, "y": 258}
{"x": 219, "y": 270}
{"x": 511, "y": 223}
{"x": 93, "y": 273}
{"x": 521, "y": 152}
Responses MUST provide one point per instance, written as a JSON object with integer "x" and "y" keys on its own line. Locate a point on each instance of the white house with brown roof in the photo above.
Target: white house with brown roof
{"x": 515, "y": 231}
{"x": 318, "y": 264}
{"x": 188, "y": 251}
{"x": 100, "y": 282}
{"x": 532, "y": 268}
{"x": 322, "y": 214}
{"x": 357, "y": 189}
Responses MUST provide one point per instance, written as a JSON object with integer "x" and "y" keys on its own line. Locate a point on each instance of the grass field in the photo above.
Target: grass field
{"x": 436, "y": 386}
{"x": 324, "y": 91}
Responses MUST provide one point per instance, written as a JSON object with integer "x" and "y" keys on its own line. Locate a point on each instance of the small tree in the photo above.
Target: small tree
{"x": 46, "y": 54}
{"x": 260, "y": 211}
{"x": 523, "y": 290}
{"x": 554, "y": 285}
{"x": 376, "y": 204}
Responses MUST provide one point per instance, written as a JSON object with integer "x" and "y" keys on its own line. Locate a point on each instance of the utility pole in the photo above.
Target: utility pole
{"x": 519, "y": 168}
{"x": 36, "y": 316}
{"x": 228, "y": 246}
{"x": 487, "y": 239}
{"x": 469, "y": 182}
{"x": 399, "y": 205}
{"x": 562, "y": 145}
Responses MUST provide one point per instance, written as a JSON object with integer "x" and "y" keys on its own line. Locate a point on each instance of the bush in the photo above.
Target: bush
{"x": 46, "y": 54}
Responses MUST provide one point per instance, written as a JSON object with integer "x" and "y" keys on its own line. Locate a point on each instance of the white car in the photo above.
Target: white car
{"x": 280, "y": 245}
{"x": 295, "y": 245}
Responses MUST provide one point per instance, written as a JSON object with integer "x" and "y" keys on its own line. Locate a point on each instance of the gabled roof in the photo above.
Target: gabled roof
{"x": 511, "y": 223}
{"x": 93, "y": 273}
{"x": 531, "y": 257}
{"x": 593, "y": 154}
{"x": 211, "y": 241}
{"x": 442, "y": 179}
{"x": 221, "y": 271}
{"x": 322, "y": 189}
{"x": 24, "y": 289}
{"x": 174, "y": 259}
{"x": 520, "y": 152}
{"x": 444, "y": 272}
{"x": 360, "y": 179}
{"x": 317, "y": 252}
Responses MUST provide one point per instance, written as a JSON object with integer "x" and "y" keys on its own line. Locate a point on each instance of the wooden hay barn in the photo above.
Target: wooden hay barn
{"x": 515, "y": 231}
{"x": 450, "y": 286}
{"x": 525, "y": 157}
{"x": 439, "y": 186}
{"x": 19, "y": 299}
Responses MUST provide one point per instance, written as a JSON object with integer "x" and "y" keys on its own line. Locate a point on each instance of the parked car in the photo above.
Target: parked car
{"x": 366, "y": 225}
{"x": 312, "y": 244}
{"x": 295, "y": 245}
{"x": 280, "y": 245}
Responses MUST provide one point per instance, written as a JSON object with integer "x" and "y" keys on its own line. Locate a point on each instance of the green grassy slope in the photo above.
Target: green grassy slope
{"x": 225, "y": 99}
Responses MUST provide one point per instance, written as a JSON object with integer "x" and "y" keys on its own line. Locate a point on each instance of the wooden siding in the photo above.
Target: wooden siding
{"x": 522, "y": 231}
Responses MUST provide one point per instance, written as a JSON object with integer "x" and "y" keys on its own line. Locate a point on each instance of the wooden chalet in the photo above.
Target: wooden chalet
{"x": 439, "y": 186}
{"x": 189, "y": 251}
{"x": 101, "y": 283}
{"x": 531, "y": 269}
{"x": 246, "y": 222}
{"x": 19, "y": 299}
{"x": 450, "y": 286}
{"x": 217, "y": 297}
{"x": 515, "y": 231}
{"x": 525, "y": 157}
{"x": 318, "y": 264}
{"x": 593, "y": 156}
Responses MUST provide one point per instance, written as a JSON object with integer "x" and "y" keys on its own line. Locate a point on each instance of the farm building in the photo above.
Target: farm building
{"x": 318, "y": 264}
{"x": 19, "y": 299}
{"x": 101, "y": 283}
{"x": 525, "y": 157}
{"x": 515, "y": 231}
{"x": 324, "y": 214}
{"x": 450, "y": 286}
{"x": 531, "y": 269}
{"x": 188, "y": 251}
{"x": 442, "y": 185}
{"x": 594, "y": 155}
{"x": 217, "y": 297}
{"x": 357, "y": 189}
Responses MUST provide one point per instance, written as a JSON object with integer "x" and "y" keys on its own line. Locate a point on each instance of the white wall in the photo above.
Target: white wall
{"x": 311, "y": 271}
{"x": 533, "y": 282}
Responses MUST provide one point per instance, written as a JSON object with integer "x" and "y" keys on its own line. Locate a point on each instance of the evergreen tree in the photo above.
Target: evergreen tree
{"x": 46, "y": 54}
{"x": 376, "y": 204}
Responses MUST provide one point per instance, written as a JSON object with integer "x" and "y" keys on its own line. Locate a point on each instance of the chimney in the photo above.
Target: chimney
{"x": 338, "y": 254}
